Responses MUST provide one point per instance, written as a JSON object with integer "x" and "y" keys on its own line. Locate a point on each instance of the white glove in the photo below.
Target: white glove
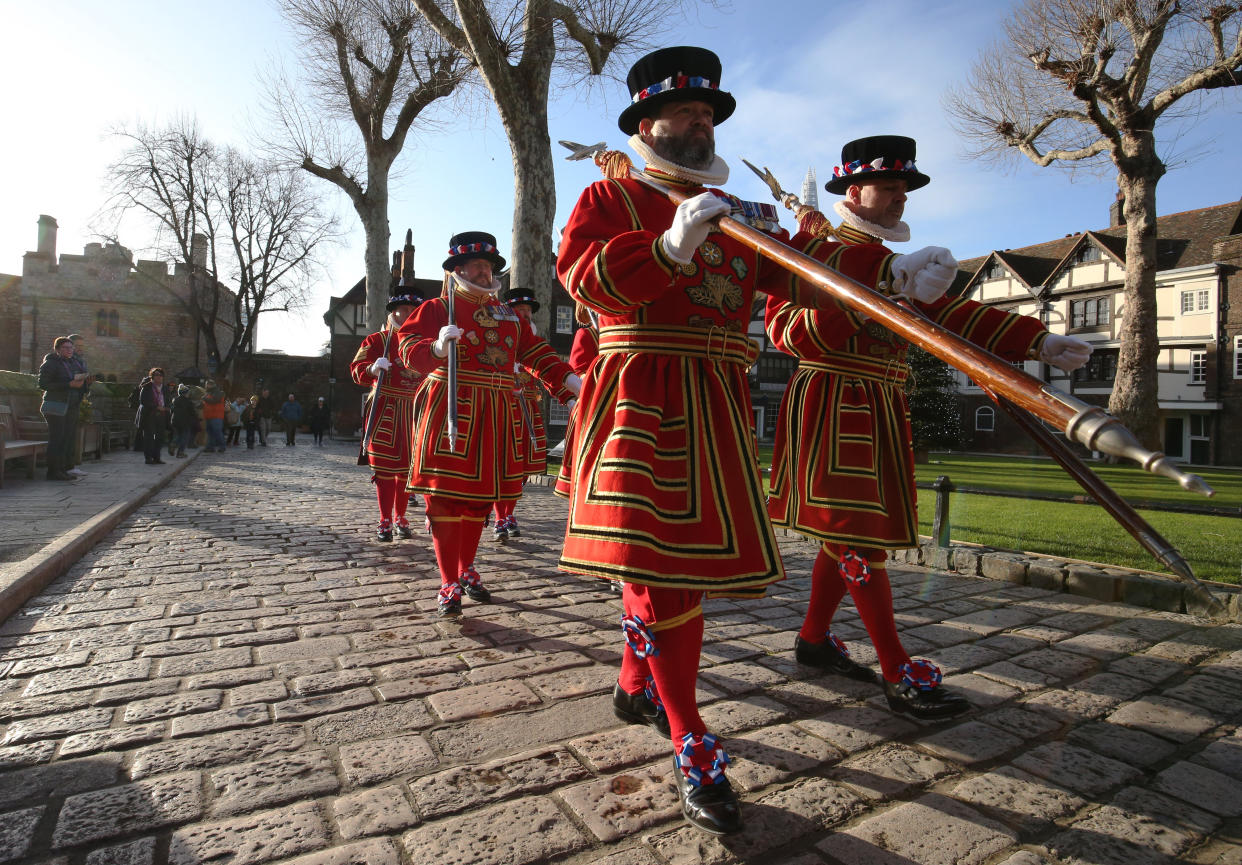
{"x": 691, "y": 225}
{"x": 448, "y": 333}
{"x": 924, "y": 275}
{"x": 381, "y": 363}
{"x": 569, "y": 406}
{"x": 573, "y": 383}
{"x": 1066, "y": 353}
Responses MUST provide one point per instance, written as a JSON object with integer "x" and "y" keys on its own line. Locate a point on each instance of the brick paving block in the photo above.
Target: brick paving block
{"x": 1202, "y": 787}
{"x": 478, "y": 700}
{"x": 263, "y": 637}
{"x": 378, "y": 811}
{"x": 795, "y": 814}
{"x": 17, "y": 830}
{"x": 979, "y": 690}
{"x": 184, "y": 703}
{"x": 398, "y": 690}
{"x": 272, "y": 781}
{"x": 772, "y": 755}
{"x": 271, "y": 691}
{"x": 524, "y": 667}
{"x": 291, "y": 670}
{"x": 714, "y": 654}
{"x": 932, "y": 829}
{"x": 204, "y": 662}
{"x": 970, "y": 743}
{"x": 380, "y": 759}
{"x": 1104, "y": 645}
{"x": 1156, "y": 626}
{"x": 1070, "y": 707}
{"x": 1075, "y": 768}
{"x": 306, "y": 707}
{"x": 1146, "y": 667}
{"x": 1168, "y": 811}
{"x": 1170, "y": 719}
{"x": 812, "y": 698}
{"x": 518, "y": 833}
{"x": 87, "y": 677}
{"x": 52, "y": 726}
{"x": 1087, "y": 844}
{"x": 1076, "y": 621}
{"x": 32, "y": 666}
{"x": 740, "y": 677}
{"x": 326, "y": 683}
{"x": 322, "y": 647}
{"x": 940, "y": 635}
{"x": 375, "y": 851}
{"x": 176, "y": 647}
{"x": 630, "y": 856}
{"x": 1021, "y": 800}
{"x": 463, "y": 788}
{"x": 139, "y": 852}
{"x": 370, "y": 722}
{"x": 1222, "y": 697}
{"x": 965, "y": 656}
{"x": 29, "y": 707}
{"x": 1113, "y": 686}
{"x": 576, "y": 682}
{"x": 1062, "y": 666}
{"x": 117, "y": 739}
{"x": 629, "y": 745}
{"x": 476, "y": 658}
{"x": 987, "y": 622}
{"x": 728, "y": 717}
{"x": 1024, "y": 639}
{"x": 252, "y": 838}
{"x": 232, "y": 718}
{"x": 1223, "y": 755}
{"x": 217, "y": 750}
{"x": 1022, "y": 723}
{"x": 1122, "y": 743}
{"x": 229, "y": 678}
{"x": 888, "y": 771}
{"x": 624, "y": 804}
{"x": 857, "y": 727}
{"x": 137, "y": 807}
{"x": 26, "y": 754}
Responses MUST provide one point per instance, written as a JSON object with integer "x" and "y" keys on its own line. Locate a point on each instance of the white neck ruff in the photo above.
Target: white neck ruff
{"x": 717, "y": 175}
{"x": 467, "y": 285}
{"x": 899, "y": 233}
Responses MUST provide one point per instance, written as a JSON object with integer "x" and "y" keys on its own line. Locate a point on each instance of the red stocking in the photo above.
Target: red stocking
{"x": 471, "y": 529}
{"x": 874, "y": 600}
{"x": 386, "y": 492}
{"x": 401, "y": 498}
{"x": 675, "y": 668}
{"x": 827, "y": 590}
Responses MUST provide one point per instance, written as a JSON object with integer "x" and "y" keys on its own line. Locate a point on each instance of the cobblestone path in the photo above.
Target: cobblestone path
{"x": 239, "y": 674}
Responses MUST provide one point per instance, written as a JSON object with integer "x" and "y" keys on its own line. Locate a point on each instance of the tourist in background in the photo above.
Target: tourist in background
{"x": 291, "y": 414}
{"x": 152, "y": 416}
{"x": 183, "y": 416}
{"x": 267, "y": 411}
{"x": 58, "y": 379}
{"x": 251, "y": 418}
{"x": 320, "y": 420}
{"x": 73, "y": 415}
{"x": 213, "y": 417}
{"x": 232, "y": 419}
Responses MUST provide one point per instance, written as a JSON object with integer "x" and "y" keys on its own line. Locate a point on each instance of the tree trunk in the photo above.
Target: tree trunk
{"x": 534, "y": 199}
{"x": 1134, "y": 400}
{"x": 372, "y": 211}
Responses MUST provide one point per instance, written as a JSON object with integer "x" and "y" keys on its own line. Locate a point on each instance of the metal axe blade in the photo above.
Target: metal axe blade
{"x": 582, "y": 151}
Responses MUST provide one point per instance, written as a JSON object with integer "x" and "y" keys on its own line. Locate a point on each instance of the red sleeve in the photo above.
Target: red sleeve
{"x": 418, "y": 333}
{"x": 585, "y": 350}
{"x": 370, "y": 349}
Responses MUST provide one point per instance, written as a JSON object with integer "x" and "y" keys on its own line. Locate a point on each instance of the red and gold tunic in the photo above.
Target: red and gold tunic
{"x": 485, "y": 466}
{"x": 842, "y": 463}
{"x": 528, "y": 430}
{"x": 660, "y": 465}
{"x": 386, "y": 440}
{"x": 585, "y": 349}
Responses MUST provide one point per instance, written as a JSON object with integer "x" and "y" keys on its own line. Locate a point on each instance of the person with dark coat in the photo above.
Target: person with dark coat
{"x": 291, "y": 414}
{"x": 152, "y": 419}
{"x": 183, "y": 416}
{"x": 320, "y": 419}
{"x": 58, "y": 379}
{"x": 267, "y": 411}
{"x": 252, "y": 418}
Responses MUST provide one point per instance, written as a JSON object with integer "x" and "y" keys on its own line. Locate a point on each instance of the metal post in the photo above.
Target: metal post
{"x": 940, "y": 522}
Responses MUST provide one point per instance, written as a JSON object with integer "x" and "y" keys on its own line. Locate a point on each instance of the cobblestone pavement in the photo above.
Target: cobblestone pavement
{"x": 239, "y": 674}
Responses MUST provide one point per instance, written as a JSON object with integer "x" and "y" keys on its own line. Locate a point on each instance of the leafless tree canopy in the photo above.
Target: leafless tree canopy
{"x": 1074, "y": 80}
{"x": 260, "y": 224}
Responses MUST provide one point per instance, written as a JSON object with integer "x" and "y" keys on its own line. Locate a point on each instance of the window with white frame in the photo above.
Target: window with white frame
{"x": 1237, "y": 356}
{"x": 1090, "y": 312}
{"x": 1194, "y": 301}
{"x": 558, "y": 415}
{"x": 564, "y": 319}
{"x": 985, "y": 419}
{"x": 1198, "y": 367}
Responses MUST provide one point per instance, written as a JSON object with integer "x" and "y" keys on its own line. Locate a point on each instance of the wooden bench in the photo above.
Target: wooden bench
{"x": 116, "y": 434}
{"x": 15, "y": 447}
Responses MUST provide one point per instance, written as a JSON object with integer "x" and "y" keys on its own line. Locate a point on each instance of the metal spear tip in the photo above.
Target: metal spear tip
{"x": 1195, "y": 484}
{"x": 582, "y": 151}
{"x": 769, "y": 180}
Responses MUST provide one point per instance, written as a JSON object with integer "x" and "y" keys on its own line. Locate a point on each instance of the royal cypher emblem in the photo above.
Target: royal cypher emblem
{"x": 717, "y": 291}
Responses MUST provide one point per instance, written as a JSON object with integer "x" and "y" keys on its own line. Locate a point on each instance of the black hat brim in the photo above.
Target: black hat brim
{"x": 914, "y": 180}
{"x": 721, "y": 101}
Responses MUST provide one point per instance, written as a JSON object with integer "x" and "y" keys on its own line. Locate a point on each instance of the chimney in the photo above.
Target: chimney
{"x": 1117, "y": 211}
{"x": 407, "y": 259}
{"x": 47, "y": 238}
{"x": 198, "y": 250}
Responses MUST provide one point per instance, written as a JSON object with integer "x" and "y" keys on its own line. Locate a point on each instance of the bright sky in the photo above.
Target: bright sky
{"x": 808, "y": 76}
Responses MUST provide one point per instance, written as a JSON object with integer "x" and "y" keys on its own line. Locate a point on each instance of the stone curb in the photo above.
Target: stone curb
{"x": 22, "y": 580}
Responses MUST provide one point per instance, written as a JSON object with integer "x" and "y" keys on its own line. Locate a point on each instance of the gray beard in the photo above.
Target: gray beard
{"x": 698, "y": 154}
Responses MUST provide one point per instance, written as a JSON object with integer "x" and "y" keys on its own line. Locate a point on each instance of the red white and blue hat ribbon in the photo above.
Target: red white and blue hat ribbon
{"x": 466, "y": 248}
{"x": 675, "y": 82}
{"x": 877, "y": 164}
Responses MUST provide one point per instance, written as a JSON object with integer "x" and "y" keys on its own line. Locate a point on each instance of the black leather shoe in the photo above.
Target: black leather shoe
{"x": 936, "y": 704}
{"x": 714, "y": 808}
{"x": 450, "y": 610}
{"x": 384, "y": 532}
{"x": 477, "y": 593}
{"x": 514, "y": 531}
{"x": 404, "y": 532}
{"x": 639, "y": 709}
{"x": 500, "y": 535}
{"x": 157, "y": 462}
{"x": 825, "y": 657}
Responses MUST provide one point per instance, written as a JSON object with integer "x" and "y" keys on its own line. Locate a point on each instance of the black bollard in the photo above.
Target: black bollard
{"x": 940, "y": 522}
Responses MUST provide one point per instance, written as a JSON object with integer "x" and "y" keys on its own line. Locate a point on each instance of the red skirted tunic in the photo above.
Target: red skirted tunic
{"x": 660, "y": 466}
{"x": 585, "y": 349}
{"x": 387, "y": 439}
{"x": 485, "y": 466}
{"x": 842, "y": 462}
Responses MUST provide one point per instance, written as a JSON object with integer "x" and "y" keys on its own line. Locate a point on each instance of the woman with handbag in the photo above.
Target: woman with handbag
{"x": 58, "y": 379}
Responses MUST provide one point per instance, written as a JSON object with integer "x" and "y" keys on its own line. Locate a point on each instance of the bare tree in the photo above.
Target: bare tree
{"x": 373, "y": 65}
{"x": 221, "y": 217}
{"x": 516, "y": 45}
{"x": 1079, "y": 80}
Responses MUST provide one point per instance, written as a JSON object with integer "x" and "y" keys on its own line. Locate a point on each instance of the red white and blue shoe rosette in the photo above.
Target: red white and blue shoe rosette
{"x": 639, "y": 637}
{"x": 702, "y": 758}
{"x": 854, "y": 568}
{"x": 920, "y": 674}
{"x": 449, "y": 592}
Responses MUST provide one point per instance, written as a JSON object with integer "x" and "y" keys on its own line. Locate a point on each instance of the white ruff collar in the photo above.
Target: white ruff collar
{"x": 717, "y": 175}
{"x": 467, "y": 285}
{"x": 899, "y": 233}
